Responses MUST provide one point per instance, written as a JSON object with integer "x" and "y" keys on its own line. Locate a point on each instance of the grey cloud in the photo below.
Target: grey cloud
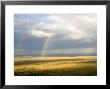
{"x": 26, "y": 43}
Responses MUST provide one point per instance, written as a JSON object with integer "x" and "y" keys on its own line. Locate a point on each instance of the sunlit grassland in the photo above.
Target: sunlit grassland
{"x": 55, "y": 66}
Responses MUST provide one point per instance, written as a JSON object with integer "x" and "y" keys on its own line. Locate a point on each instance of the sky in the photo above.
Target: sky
{"x": 55, "y": 34}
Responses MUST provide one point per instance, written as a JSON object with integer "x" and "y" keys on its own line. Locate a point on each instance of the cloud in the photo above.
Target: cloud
{"x": 40, "y": 33}
{"x": 67, "y": 31}
{"x": 85, "y": 24}
{"x": 64, "y": 31}
{"x": 71, "y": 26}
{"x": 67, "y": 26}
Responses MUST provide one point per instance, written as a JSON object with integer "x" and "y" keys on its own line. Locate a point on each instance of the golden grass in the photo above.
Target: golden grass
{"x": 26, "y": 58}
{"x": 74, "y": 66}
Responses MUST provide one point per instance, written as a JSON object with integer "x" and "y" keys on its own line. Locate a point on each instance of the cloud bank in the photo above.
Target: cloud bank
{"x": 66, "y": 31}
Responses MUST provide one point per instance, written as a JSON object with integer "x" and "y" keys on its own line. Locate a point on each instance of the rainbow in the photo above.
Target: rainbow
{"x": 46, "y": 44}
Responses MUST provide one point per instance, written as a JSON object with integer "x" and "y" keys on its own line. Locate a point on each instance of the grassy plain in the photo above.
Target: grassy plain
{"x": 55, "y": 66}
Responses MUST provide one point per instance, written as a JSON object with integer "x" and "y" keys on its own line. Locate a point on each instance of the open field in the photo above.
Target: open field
{"x": 55, "y": 66}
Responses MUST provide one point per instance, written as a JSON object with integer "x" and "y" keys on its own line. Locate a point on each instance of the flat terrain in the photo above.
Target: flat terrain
{"x": 55, "y": 66}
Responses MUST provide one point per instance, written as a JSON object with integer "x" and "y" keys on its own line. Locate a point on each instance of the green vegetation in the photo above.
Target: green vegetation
{"x": 55, "y": 66}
